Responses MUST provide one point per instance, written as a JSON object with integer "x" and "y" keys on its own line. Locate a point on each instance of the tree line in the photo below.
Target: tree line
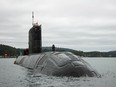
{"x": 6, "y": 50}
{"x": 12, "y": 51}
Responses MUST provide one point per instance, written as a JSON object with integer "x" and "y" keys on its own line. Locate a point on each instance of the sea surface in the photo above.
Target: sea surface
{"x": 12, "y": 75}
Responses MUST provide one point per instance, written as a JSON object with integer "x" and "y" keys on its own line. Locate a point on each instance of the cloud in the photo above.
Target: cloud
{"x": 79, "y": 24}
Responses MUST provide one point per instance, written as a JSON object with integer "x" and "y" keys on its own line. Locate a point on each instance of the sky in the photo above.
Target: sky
{"x": 86, "y": 25}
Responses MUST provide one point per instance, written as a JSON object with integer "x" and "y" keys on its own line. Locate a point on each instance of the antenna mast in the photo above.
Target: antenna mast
{"x": 32, "y": 18}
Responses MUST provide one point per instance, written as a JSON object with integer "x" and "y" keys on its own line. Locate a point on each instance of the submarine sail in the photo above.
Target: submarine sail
{"x": 35, "y": 41}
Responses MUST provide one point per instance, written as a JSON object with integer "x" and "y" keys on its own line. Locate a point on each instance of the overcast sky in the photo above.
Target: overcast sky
{"x": 86, "y": 25}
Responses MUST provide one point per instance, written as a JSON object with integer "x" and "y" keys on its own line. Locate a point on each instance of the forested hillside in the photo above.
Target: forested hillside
{"x": 8, "y": 51}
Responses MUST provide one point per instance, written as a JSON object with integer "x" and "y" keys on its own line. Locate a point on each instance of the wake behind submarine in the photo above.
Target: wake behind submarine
{"x": 53, "y": 63}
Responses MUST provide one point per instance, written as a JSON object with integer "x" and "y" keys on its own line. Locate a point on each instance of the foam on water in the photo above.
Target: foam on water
{"x": 50, "y": 81}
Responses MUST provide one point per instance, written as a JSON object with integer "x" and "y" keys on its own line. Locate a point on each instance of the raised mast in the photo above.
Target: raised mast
{"x": 32, "y": 18}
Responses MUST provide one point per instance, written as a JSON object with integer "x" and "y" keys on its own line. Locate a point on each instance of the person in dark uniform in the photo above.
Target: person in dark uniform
{"x": 53, "y": 47}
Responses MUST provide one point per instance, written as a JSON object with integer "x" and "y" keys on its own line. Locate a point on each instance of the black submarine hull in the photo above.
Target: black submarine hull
{"x": 52, "y": 63}
{"x": 57, "y": 64}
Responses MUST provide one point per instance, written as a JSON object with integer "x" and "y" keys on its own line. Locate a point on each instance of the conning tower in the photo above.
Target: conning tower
{"x": 35, "y": 41}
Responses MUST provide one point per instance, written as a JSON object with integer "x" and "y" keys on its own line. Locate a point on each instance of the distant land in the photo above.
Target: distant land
{"x": 9, "y": 51}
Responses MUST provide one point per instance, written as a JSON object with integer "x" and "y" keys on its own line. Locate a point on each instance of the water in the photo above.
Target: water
{"x": 12, "y": 75}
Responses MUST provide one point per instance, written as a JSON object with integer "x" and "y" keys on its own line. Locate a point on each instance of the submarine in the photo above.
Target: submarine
{"x": 52, "y": 63}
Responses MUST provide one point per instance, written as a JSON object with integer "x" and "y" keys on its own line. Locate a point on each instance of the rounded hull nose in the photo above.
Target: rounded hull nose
{"x": 74, "y": 71}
